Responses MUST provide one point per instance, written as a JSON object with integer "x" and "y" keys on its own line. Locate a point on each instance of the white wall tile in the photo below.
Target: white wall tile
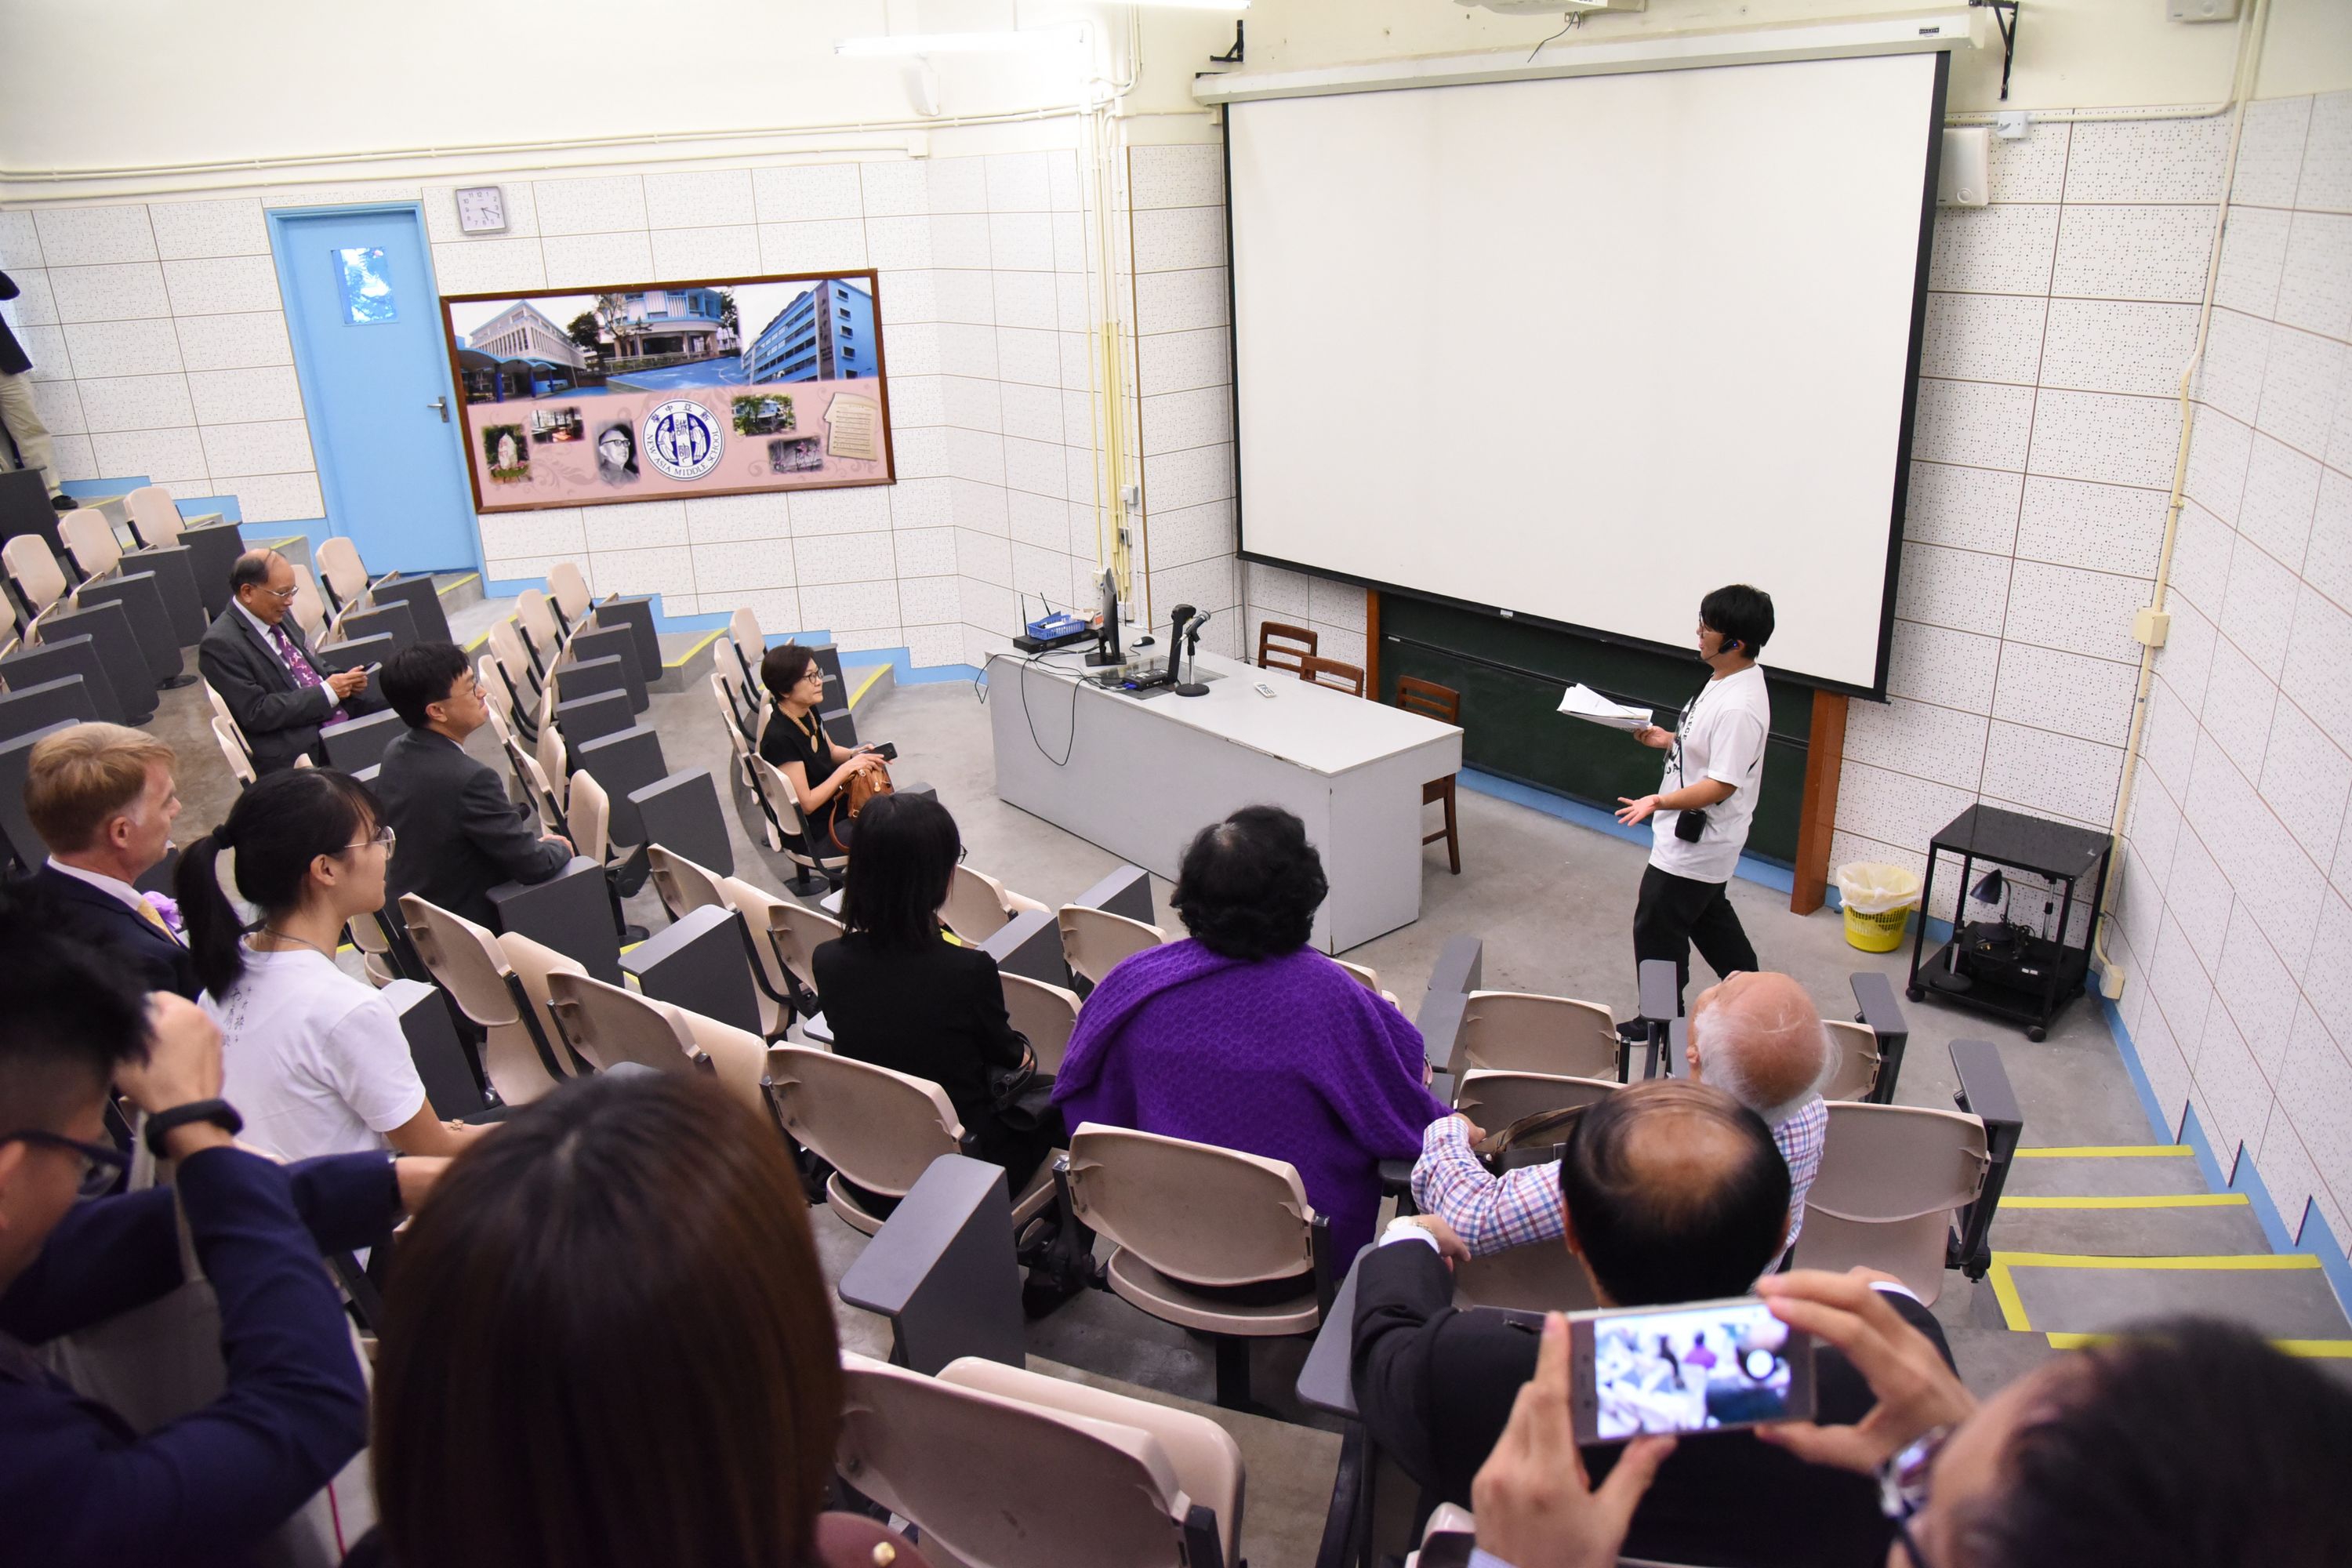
{"x": 2303, "y": 385}
{"x": 1983, "y": 337}
{"x": 703, "y": 198}
{"x": 1957, "y": 589}
{"x": 969, "y": 297}
{"x": 85, "y": 236}
{"x": 2253, "y": 249}
{"x": 1896, "y": 808}
{"x": 934, "y": 600}
{"x": 147, "y": 347}
{"x": 2230, "y": 377}
{"x": 1021, "y": 242}
{"x": 1192, "y": 533}
{"x": 958, "y": 185}
{"x": 1018, "y": 183}
{"x": 2059, "y": 774}
{"x": 1032, "y": 413}
{"x": 1181, "y": 301}
{"x": 920, "y": 503}
{"x": 1174, "y": 240}
{"x": 1180, "y": 176}
{"x": 837, "y": 244}
{"x": 1189, "y": 478}
{"x": 136, "y": 403}
{"x": 2315, "y": 279}
{"x": 850, "y": 509}
{"x": 282, "y": 498}
{"x": 589, "y": 260}
{"x": 2134, "y": 252}
{"x": 2322, "y": 632}
{"x": 2269, "y": 152}
{"x": 487, "y": 265}
{"x": 2108, "y": 528}
{"x": 604, "y": 205}
{"x": 20, "y": 243}
{"x": 2281, "y": 497}
{"x": 58, "y": 405}
{"x": 846, "y": 607}
{"x": 2326, "y": 181}
{"x": 1965, "y": 507}
{"x": 638, "y": 525}
{"x": 924, "y": 552}
{"x": 187, "y": 229}
{"x": 2306, "y": 778}
{"x": 2147, "y": 160}
{"x": 46, "y": 347}
{"x": 666, "y": 572}
{"x": 2103, "y": 437}
{"x": 113, "y": 293}
{"x": 720, "y": 251}
{"x": 727, "y": 520}
{"x": 2049, "y": 689}
{"x": 263, "y": 446}
{"x": 164, "y": 456}
{"x": 1210, "y": 584}
{"x": 2327, "y": 565}
{"x": 1975, "y": 423}
{"x": 2005, "y": 250}
{"x": 2218, "y": 449}
{"x": 216, "y": 285}
{"x": 2234, "y": 1099}
{"x": 1036, "y": 466}
{"x": 1941, "y": 744}
{"x": 899, "y": 188}
{"x": 1950, "y": 668}
{"x": 2075, "y": 610}
{"x": 34, "y": 305}
{"x": 1026, "y": 299}
{"x": 827, "y": 558}
{"x": 2117, "y": 345}
{"x": 733, "y": 568}
{"x": 1175, "y": 421}
{"x": 2236, "y": 714}
{"x": 554, "y": 531}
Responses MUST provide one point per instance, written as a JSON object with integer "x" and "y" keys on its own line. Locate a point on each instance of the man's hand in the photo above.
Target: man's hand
{"x": 559, "y": 838}
{"x": 1535, "y": 1506}
{"x": 347, "y": 683}
{"x": 1633, "y": 813}
{"x": 1450, "y": 1246}
{"x": 1917, "y": 1392}
{"x": 184, "y": 1057}
{"x": 1472, "y": 1129}
{"x": 1655, "y": 738}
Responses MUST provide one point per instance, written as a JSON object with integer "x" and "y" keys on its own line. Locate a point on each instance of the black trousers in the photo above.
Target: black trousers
{"x": 1673, "y": 912}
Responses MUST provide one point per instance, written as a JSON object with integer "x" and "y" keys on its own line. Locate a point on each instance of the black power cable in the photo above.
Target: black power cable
{"x": 2004, "y": 17}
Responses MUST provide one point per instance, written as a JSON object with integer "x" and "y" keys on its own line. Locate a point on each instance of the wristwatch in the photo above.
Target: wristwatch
{"x": 219, "y": 1112}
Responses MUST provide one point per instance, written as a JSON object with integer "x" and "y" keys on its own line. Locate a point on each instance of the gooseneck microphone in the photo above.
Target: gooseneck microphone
{"x": 1195, "y": 687}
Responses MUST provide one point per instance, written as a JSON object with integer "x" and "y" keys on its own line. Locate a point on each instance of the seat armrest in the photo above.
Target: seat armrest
{"x": 1874, "y": 993}
{"x": 1985, "y": 1093}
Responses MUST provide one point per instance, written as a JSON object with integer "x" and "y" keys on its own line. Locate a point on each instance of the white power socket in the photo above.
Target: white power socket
{"x": 2200, "y": 10}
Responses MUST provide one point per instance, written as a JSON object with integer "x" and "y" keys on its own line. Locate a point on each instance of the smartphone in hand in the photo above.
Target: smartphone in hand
{"x": 1702, "y": 1366}
{"x": 887, "y": 751}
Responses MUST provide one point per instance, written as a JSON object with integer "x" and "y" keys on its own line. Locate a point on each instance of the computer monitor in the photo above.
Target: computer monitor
{"x": 1106, "y": 649}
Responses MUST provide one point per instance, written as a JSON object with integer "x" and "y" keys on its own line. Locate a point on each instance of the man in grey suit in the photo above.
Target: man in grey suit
{"x": 459, "y": 833}
{"x": 259, "y": 661}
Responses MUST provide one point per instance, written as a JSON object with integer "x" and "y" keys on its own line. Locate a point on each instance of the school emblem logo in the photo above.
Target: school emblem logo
{"x": 682, "y": 439}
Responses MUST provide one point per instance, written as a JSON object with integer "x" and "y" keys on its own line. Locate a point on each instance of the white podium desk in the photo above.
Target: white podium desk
{"x": 1141, "y": 777}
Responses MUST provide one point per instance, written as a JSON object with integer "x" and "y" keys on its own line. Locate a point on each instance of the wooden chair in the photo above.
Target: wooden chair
{"x": 1281, "y": 646}
{"x": 1443, "y": 704}
{"x": 1330, "y": 672}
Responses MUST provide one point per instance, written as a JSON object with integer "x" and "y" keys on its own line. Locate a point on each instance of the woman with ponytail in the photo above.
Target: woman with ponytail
{"x": 313, "y": 1058}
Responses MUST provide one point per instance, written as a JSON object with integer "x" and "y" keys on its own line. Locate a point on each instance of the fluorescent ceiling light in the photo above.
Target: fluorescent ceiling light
{"x": 1033, "y": 40}
{"x": 1224, "y": 4}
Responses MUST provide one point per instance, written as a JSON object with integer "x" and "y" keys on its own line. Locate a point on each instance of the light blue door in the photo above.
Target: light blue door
{"x": 366, "y": 324}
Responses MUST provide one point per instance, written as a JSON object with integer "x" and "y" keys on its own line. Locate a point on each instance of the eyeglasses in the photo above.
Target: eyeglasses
{"x": 385, "y": 838}
{"x": 283, "y": 596}
{"x": 1903, "y": 1483}
{"x": 963, "y": 853}
{"x": 101, "y": 1163}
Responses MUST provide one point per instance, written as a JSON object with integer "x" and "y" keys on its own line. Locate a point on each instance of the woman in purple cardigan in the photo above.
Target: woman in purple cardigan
{"x": 1246, "y": 1037}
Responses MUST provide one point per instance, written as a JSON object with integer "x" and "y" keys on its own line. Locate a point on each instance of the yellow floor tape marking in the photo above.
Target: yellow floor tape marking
{"x": 2004, "y": 1290}
{"x": 453, "y": 587}
{"x": 867, "y": 685}
{"x": 708, "y": 640}
{"x": 2325, "y": 1349}
{"x": 2159, "y": 1200}
{"x": 2255, "y": 1262}
{"x": 2109, "y": 1151}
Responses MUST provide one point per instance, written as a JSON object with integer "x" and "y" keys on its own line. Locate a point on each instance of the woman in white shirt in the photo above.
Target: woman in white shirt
{"x": 314, "y": 1060}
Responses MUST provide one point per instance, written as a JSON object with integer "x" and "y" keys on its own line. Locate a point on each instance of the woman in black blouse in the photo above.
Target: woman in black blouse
{"x": 797, "y": 744}
{"x": 899, "y": 995}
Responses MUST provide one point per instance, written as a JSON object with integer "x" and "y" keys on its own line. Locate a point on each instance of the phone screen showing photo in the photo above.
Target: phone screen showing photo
{"x": 1688, "y": 1369}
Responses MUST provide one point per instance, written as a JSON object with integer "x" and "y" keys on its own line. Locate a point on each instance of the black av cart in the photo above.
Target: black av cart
{"x": 2022, "y": 970}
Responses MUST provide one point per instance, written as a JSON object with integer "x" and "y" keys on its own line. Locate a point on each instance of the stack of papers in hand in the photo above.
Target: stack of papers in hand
{"x": 1584, "y": 702}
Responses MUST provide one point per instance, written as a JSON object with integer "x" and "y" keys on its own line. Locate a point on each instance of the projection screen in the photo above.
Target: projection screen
{"x": 1583, "y": 348}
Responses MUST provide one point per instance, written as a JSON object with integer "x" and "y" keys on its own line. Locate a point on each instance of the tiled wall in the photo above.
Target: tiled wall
{"x": 158, "y": 347}
{"x": 2235, "y": 927}
{"x": 2058, "y": 321}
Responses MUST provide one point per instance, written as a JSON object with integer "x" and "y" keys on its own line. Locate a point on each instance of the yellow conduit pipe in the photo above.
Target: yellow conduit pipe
{"x": 2155, "y": 620}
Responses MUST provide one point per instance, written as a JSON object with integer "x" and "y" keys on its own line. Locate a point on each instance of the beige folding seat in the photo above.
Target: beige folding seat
{"x": 1494, "y": 1099}
{"x": 573, "y": 603}
{"x": 1188, "y": 1220}
{"x": 535, "y": 966}
{"x": 233, "y": 750}
{"x": 1044, "y": 1013}
{"x": 1094, "y": 941}
{"x": 346, "y": 580}
{"x": 682, "y": 886}
{"x": 521, "y": 673}
{"x": 40, "y": 582}
{"x": 308, "y": 610}
{"x": 1527, "y": 1033}
{"x": 815, "y": 852}
{"x": 590, "y": 811}
{"x": 750, "y": 646}
{"x": 368, "y": 935}
{"x": 797, "y": 931}
{"x": 541, "y": 633}
{"x": 611, "y": 1024}
{"x": 154, "y": 517}
{"x": 879, "y": 1129}
{"x": 1541, "y": 1276}
{"x": 520, "y": 1053}
{"x": 1369, "y": 979}
{"x": 1856, "y": 1068}
{"x": 555, "y": 764}
{"x": 89, "y": 540}
{"x": 757, "y": 906}
{"x": 738, "y": 705}
{"x": 986, "y": 1458}
{"x": 1892, "y": 1177}
{"x": 979, "y": 906}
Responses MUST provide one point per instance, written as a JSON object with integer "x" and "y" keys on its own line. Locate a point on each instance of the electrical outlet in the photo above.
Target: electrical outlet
{"x": 2009, "y": 124}
{"x": 2200, "y": 10}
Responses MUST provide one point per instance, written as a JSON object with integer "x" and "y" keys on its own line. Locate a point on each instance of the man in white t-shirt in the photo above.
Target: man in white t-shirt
{"x": 1698, "y": 819}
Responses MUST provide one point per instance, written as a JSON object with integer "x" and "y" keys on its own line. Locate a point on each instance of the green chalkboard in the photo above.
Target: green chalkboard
{"x": 1511, "y": 675}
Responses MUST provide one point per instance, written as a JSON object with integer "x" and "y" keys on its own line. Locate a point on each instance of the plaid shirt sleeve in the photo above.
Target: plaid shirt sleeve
{"x": 1489, "y": 1213}
{"x": 1799, "y": 1140}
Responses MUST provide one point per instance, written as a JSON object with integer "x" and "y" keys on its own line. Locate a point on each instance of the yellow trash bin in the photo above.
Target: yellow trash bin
{"x": 1878, "y": 900}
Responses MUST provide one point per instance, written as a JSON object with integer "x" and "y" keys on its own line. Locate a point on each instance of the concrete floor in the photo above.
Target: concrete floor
{"x": 1553, "y": 901}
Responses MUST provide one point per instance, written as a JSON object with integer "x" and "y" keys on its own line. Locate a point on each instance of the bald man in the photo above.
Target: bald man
{"x": 1672, "y": 1191}
{"x": 255, "y": 656}
{"x": 1758, "y": 1037}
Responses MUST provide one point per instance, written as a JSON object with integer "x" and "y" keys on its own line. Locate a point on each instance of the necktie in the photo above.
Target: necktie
{"x": 305, "y": 676}
{"x": 155, "y": 919}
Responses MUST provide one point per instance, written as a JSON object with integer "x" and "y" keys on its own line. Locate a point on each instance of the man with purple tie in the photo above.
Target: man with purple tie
{"x": 257, "y": 659}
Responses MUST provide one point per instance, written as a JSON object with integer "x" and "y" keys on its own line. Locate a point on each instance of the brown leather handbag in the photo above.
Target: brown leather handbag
{"x": 863, "y": 785}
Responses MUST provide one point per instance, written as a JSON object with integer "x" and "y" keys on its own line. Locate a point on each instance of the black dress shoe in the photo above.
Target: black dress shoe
{"x": 64, "y": 503}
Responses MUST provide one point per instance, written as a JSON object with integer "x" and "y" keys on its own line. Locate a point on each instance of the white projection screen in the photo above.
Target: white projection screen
{"x": 1583, "y": 348}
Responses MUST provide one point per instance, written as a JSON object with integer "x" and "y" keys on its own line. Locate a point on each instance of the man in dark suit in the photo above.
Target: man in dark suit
{"x": 20, "y": 417}
{"x": 257, "y": 659}
{"x": 101, "y": 798}
{"x": 80, "y": 1483}
{"x": 459, "y": 833}
{"x": 1674, "y": 1193}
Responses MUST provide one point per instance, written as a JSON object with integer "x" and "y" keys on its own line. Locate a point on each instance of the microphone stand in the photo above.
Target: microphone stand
{"x": 1195, "y": 687}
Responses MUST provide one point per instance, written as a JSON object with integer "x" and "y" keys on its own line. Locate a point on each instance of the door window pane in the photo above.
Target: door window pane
{"x": 367, "y": 285}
